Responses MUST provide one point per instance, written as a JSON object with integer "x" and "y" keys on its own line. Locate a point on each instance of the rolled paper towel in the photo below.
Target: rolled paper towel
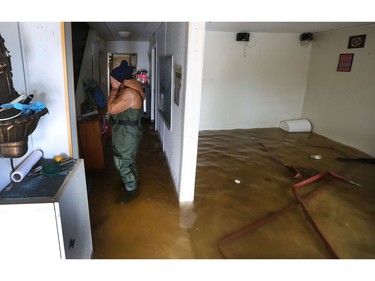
{"x": 296, "y": 125}
{"x": 26, "y": 166}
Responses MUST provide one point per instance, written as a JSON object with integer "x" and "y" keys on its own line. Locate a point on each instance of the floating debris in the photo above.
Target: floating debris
{"x": 316, "y": 157}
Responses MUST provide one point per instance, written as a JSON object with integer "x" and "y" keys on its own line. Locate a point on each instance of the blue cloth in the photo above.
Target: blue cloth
{"x": 92, "y": 87}
{"x": 27, "y": 109}
{"x": 99, "y": 97}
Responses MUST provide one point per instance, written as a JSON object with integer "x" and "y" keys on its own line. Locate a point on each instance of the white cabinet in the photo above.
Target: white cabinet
{"x": 47, "y": 218}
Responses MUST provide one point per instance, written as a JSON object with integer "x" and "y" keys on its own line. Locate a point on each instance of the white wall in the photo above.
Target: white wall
{"x": 341, "y": 104}
{"x": 256, "y": 88}
{"x": 43, "y": 52}
{"x": 172, "y": 40}
{"x": 43, "y": 71}
{"x": 160, "y": 51}
{"x": 193, "y": 81}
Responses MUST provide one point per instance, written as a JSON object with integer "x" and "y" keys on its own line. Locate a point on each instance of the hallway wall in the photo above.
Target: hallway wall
{"x": 171, "y": 39}
{"x": 341, "y": 104}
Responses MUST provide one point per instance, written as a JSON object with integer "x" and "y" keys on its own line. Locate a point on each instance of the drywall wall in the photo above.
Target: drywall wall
{"x": 193, "y": 91}
{"x": 172, "y": 40}
{"x": 252, "y": 86}
{"x": 341, "y": 105}
{"x": 42, "y": 70}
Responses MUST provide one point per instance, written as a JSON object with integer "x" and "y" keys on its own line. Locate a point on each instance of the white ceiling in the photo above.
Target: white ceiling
{"x": 142, "y": 31}
{"x": 139, "y": 31}
{"x": 280, "y": 27}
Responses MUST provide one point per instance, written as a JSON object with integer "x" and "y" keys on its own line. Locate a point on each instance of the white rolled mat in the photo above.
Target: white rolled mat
{"x": 296, "y": 125}
{"x": 26, "y": 165}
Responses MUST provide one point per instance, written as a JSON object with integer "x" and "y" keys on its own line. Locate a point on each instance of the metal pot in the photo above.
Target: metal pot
{"x": 14, "y": 134}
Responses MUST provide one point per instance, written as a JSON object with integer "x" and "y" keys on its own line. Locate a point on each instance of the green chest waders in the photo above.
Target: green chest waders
{"x": 126, "y": 136}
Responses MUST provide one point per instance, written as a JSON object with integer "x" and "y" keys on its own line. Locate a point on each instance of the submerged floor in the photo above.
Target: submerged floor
{"x": 244, "y": 183}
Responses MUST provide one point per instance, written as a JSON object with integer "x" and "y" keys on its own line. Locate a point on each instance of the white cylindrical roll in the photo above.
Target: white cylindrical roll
{"x": 296, "y": 125}
{"x": 26, "y": 165}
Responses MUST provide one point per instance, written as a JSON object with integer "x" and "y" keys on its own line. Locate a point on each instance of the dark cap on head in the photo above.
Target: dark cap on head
{"x": 122, "y": 72}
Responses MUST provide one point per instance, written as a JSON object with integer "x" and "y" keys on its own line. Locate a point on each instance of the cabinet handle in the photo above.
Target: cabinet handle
{"x": 72, "y": 242}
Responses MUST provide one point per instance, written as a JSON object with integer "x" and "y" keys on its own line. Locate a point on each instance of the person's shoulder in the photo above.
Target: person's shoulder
{"x": 133, "y": 83}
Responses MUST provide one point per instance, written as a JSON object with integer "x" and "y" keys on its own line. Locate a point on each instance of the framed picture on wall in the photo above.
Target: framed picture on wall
{"x": 345, "y": 62}
{"x": 165, "y": 89}
{"x": 177, "y": 83}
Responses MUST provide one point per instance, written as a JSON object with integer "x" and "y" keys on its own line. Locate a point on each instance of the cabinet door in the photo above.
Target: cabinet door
{"x": 28, "y": 231}
{"x": 73, "y": 210}
{"x": 91, "y": 144}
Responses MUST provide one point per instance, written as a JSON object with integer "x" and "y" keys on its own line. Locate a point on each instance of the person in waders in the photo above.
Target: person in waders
{"x": 125, "y": 109}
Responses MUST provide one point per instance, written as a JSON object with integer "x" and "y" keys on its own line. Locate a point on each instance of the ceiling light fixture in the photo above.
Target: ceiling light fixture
{"x": 124, "y": 33}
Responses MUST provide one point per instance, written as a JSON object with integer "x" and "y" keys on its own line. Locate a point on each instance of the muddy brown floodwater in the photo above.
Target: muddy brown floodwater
{"x": 244, "y": 182}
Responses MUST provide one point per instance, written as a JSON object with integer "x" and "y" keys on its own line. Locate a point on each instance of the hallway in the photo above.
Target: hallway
{"x": 149, "y": 226}
{"x": 244, "y": 182}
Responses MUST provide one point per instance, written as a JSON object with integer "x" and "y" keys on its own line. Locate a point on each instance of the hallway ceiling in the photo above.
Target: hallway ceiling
{"x": 142, "y": 31}
{"x": 139, "y": 31}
